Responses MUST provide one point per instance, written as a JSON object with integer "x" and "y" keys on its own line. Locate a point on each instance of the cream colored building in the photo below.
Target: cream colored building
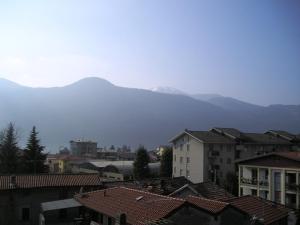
{"x": 272, "y": 176}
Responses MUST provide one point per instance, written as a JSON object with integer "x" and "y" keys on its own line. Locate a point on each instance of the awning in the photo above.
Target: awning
{"x": 60, "y": 204}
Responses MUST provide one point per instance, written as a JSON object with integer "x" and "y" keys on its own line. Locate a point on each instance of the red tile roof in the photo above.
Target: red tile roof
{"x": 139, "y": 206}
{"x": 260, "y": 208}
{"x": 49, "y": 180}
{"x": 212, "y": 206}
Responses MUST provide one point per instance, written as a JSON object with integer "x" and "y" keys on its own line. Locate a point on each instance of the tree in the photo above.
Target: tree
{"x": 9, "y": 156}
{"x": 140, "y": 165}
{"x": 231, "y": 184}
{"x": 34, "y": 157}
{"x": 166, "y": 162}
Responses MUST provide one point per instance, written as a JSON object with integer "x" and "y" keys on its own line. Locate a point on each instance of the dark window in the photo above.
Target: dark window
{"x": 25, "y": 214}
{"x": 221, "y": 160}
{"x": 109, "y": 221}
{"x": 229, "y": 161}
{"x": 101, "y": 218}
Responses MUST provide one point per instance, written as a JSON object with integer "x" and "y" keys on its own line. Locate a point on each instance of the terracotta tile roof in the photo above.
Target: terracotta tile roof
{"x": 49, "y": 180}
{"x": 212, "y": 206}
{"x": 212, "y": 191}
{"x": 139, "y": 206}
{"x": 260, "y": 208}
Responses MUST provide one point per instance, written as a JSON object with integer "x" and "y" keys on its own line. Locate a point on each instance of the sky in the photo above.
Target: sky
{"x": 244, "y": 49}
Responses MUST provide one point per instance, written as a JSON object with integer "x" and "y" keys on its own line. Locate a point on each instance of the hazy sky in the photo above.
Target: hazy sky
{"x": 244, "y": 49}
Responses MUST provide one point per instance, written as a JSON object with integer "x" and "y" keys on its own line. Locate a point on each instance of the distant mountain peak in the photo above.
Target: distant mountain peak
{"x": 91, "y": 82}
{"x": 168, "y": 90}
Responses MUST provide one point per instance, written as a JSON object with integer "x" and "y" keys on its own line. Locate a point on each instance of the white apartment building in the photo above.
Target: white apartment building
{"x": 272, "y": 176}
{"x": 210, "y": 155}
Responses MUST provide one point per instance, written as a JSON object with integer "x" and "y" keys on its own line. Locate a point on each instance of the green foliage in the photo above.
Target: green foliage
{"x": 9, "y": 151}
{"x": 166, "y": 163}
{"x": 231, "y": 183}
{"x": 140, "y": 165}
{"x": 34, "y": 157}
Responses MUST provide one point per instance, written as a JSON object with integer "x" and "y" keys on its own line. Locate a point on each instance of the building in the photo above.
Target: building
{"x": 272, "y": 176}
{"x": 21, "y": 196}
{"x": 125, "y": 206}
{"x": 62, "y": 163}
{"x": 118, "y": 170}
{"x": 83, "y": 148}
{"x": 202, "y": 156}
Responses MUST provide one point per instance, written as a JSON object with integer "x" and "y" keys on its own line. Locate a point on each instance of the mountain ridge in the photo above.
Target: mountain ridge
{"x": 96, "y": 109}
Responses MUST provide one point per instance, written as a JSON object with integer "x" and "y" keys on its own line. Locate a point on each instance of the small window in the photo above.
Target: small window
{"x": 109, "y": 221}
{"x": 187, "y": 159}
{"x": 187, "y": 173}
{"x": 221, "y": 160}
{"x": 229, "y": 161}
{"x": 181, "y": 145}
{"x": 228, "y": 147}
{"x": 101, "y": 218}
{"x": 181, "y": 159}
{"x": 188, "y": 147}
{"x": 180, "y": 172}
{"x": 25, "y": 214}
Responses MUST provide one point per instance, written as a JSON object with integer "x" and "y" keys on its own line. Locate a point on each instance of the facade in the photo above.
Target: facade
{"x": 202, "y": 156}
{"x": 62, "y": 163}
{"x": 83, "y": 148}
{"x": 21, "y": 196}
{"x": 274, "y": 177}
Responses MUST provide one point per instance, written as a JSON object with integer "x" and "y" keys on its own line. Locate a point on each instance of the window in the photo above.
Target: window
{"x": 181, "y": 159}
{"x": 101, "y": 218}
{"x": 188, "y": 147}
{"x": 180, "y": 172}
{"x": 181, "y": 147}
{"x": 25, "y": 214}
{"x": 187, "y": 159}
{"x": 229, "y": 161}
{"x": 211, "y": 147}
{"x": 228, "y": 148}
{"x": 109, "y": 221}
{"x": 221, "y": 160}
{"x": 187, "y": 173}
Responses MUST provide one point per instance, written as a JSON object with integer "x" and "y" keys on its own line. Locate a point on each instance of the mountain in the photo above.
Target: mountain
{"x": 168, "y": 90}
{"x": 96, "y": 109}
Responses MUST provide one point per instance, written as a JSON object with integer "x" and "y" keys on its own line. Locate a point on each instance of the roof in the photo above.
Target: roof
{"x": 49, "y": 180}
{"x": 261, "y": 208}
{"x": 232, "y": 132}
{"x": 213, "y": 191}
{"x": 209, "y": 137}
{"x": 212, "y": 206}
{"x": 257, "y": 138}
{"x": 284, "y": 134}
{"x": 139, "y": 206}
{"x": 276, "y": 159}
{"x": 60, "y": 204}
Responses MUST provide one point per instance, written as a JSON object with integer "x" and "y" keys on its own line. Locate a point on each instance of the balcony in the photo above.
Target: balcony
{"x": 250, "y": 181}
{"x": 291, "y": 187}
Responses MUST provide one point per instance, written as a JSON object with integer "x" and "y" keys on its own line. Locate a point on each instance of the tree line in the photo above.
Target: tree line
{"x": 141, "y": 164}
{"x": 14, "y": 160}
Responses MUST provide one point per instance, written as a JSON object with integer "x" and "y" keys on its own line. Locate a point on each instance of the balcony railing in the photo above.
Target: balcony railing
{"x": 253, "y": 181}
{"x": 292, "y": 187}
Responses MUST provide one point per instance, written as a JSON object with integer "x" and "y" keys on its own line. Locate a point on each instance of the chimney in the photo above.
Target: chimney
{"x": 13, "y": 182}
{"x": 121, "y": 219}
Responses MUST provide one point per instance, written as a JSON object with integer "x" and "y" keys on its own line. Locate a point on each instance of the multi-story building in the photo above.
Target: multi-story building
{"x": 272, "y": 176}
{"x": 83, "y": 148}
{"x": 210, "y": 155}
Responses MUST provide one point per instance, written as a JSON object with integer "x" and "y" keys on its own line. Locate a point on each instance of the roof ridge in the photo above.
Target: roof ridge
{"x": 212, "y": 200}
{"x": 158, "y": 195}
